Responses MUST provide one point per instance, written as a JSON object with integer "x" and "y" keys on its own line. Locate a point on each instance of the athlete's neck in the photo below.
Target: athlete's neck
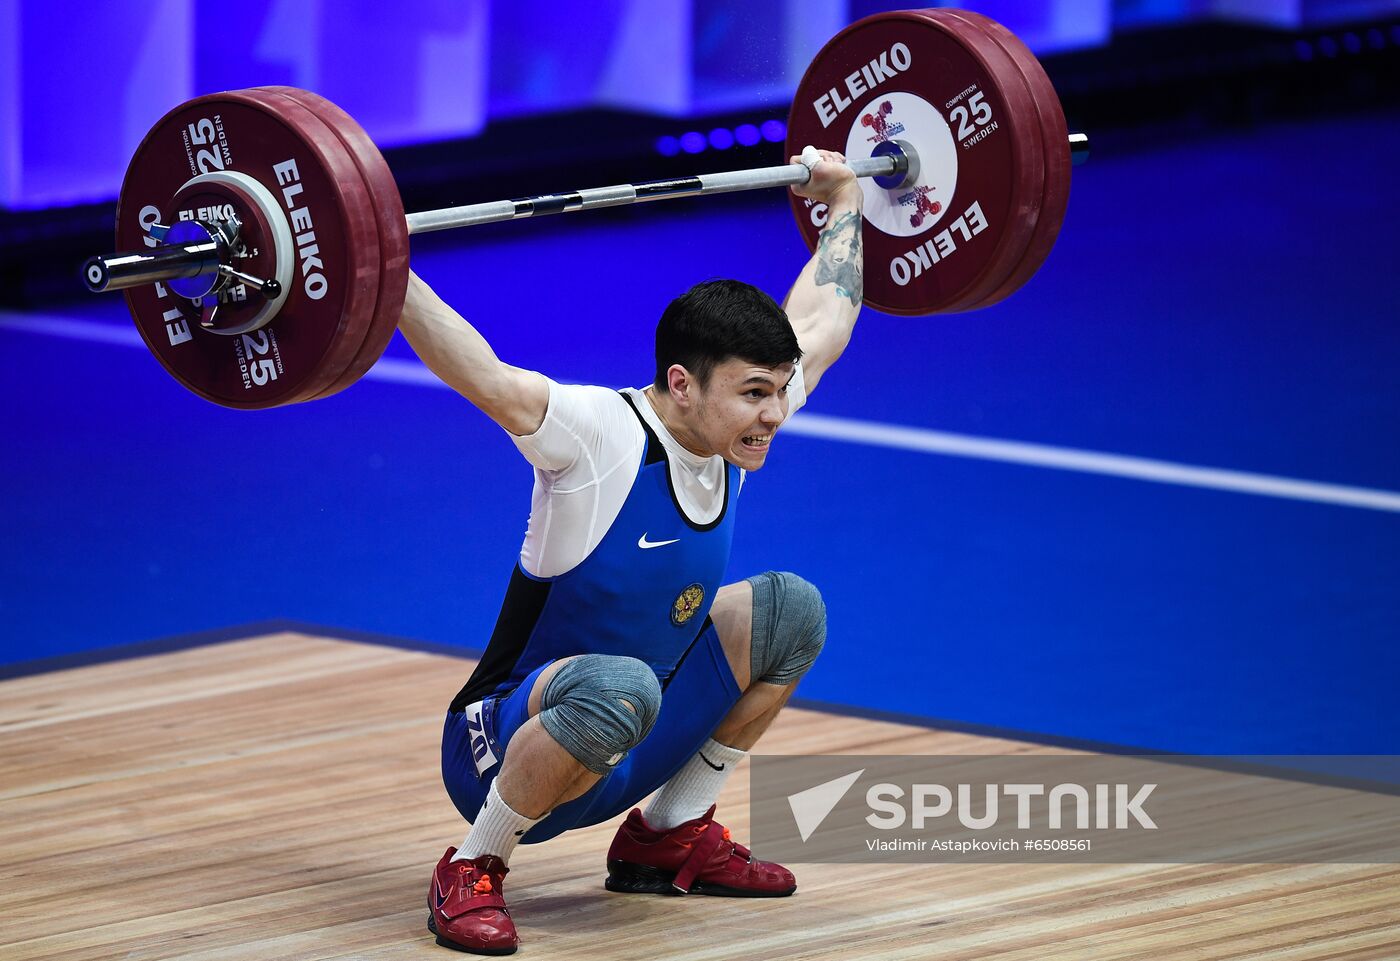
{"x": 672, "y": 419}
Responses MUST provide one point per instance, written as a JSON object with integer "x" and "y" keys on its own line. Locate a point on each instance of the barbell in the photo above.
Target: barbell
{"x": 268, "y": 247}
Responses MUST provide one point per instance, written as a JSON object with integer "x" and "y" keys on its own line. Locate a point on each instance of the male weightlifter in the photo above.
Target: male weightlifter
{"x": 618, "y": 664}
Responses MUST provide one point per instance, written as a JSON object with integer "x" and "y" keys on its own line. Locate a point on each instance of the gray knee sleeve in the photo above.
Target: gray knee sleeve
{"x": 583, "y": 708}
{"x": 789, "y": 627}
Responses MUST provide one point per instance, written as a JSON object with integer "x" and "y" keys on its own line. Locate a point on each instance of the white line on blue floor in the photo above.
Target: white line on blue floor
{"x": 919, "y": 439}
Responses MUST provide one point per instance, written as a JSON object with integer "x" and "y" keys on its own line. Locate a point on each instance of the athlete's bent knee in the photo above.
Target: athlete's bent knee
{"x": 599, "y": 706}
{"x": 789, "y": 627}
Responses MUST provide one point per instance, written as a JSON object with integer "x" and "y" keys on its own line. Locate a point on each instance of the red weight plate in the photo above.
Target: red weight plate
{"x": 1027, "y": 215}
{"x": 1058, "y": 163}
{"x": 316, "y": 192}
{"x": 907, "y": 76}
{"x": 393, "y": 229}
{"x": 356, "y": 191}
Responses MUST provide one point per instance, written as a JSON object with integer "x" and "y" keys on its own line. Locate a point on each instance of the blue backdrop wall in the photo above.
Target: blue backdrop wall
{"x": 1220, "y": 311}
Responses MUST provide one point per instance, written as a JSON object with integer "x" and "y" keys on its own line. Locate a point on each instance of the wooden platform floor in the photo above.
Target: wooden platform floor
{"x": 279, "y": 797}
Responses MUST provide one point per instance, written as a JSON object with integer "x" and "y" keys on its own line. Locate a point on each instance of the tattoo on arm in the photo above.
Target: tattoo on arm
{"x": 839, "y": 257}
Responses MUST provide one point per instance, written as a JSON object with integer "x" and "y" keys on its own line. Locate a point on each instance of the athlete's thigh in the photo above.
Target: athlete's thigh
{"x": 475, "y": 740}
{"x": 732, "y": 616}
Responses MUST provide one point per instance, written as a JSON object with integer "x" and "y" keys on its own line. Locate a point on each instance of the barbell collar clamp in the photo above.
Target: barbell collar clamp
{"x": 270, "y": 289}
{"x": 906, "y": 167}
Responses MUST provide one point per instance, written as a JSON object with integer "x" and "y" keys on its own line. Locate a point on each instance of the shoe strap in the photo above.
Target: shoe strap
{"x": 461, "y": 906}
{"x": 700, "y": 854}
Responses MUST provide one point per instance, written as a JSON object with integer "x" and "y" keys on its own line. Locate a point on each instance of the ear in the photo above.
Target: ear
{"x": 680, "y": 384}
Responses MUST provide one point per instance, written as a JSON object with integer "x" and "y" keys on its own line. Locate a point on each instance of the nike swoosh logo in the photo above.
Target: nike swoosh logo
{"x": 717, "y": 767}
{"x": 643, "y": 543}
{"x": 438, "y": 896}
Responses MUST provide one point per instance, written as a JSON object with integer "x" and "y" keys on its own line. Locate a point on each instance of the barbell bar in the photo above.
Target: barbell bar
{"x": 201, "y": 257}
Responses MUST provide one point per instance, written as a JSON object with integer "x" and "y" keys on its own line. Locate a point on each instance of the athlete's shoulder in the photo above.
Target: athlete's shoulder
{"x": 583, "y": 423}
{"x": 586, "y": 396}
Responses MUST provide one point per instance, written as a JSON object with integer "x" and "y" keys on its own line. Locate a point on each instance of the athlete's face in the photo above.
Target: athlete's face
{"x": 740, "y": 409}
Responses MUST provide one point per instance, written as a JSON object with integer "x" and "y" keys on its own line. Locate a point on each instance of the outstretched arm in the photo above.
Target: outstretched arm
{"x": 453, "y": 350}
{"x": 825, "y": 300}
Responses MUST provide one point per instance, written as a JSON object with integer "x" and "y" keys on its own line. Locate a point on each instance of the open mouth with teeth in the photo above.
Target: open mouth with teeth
{"x": 757, "y": 441}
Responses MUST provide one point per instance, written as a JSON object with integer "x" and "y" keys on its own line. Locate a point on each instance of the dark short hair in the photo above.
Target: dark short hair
{"x": 719, "y": 319}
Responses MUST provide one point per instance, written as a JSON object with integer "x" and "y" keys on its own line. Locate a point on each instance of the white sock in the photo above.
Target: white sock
{"x": 695, "y": 787}
{"x": 497, "y": 829}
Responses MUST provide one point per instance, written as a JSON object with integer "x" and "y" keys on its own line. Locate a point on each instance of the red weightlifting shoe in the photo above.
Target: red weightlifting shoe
{"x": 696, "y": 857}
{"x": 466, "y": 906}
